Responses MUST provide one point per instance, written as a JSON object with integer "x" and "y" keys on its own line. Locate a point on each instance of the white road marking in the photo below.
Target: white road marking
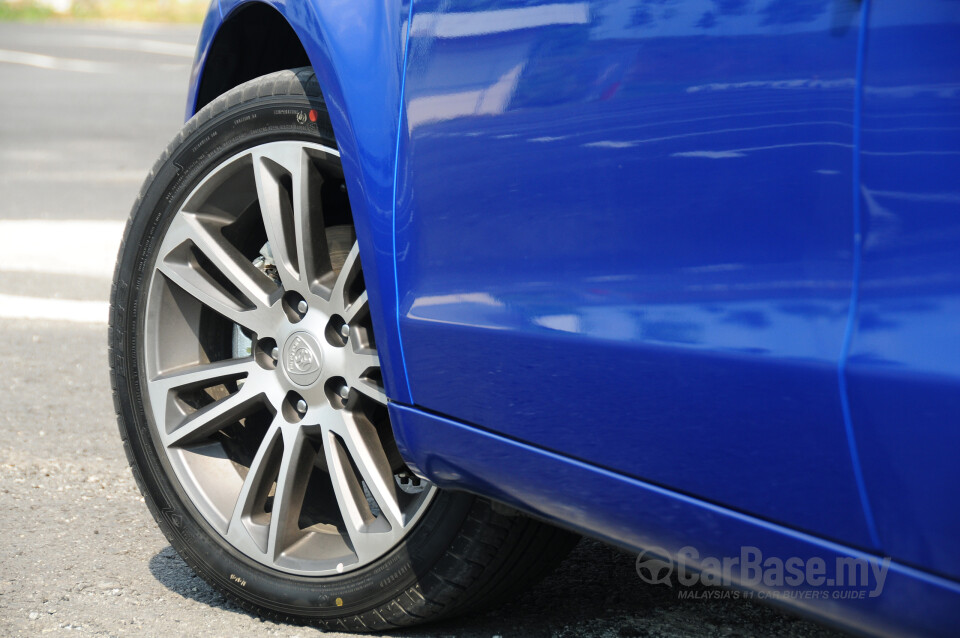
{"x": 17, "y": 307}
{"x": 60, "y": 247}
{"x": 56, "y": 64}
{"x": 159, "y": 47}
{"x": 77, "y": 176}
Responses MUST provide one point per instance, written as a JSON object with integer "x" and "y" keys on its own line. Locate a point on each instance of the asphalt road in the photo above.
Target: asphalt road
{"x": 84, "y": 110}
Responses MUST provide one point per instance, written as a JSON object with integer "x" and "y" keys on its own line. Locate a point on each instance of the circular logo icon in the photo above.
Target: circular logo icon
{"x": 653, "y": 569}
{"x": 301, "y": 358}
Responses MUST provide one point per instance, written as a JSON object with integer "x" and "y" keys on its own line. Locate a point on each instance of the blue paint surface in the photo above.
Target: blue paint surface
{"x": 626, "y": 238}
{"x": 675, "y": 272}
{"x": 904, "y": 366}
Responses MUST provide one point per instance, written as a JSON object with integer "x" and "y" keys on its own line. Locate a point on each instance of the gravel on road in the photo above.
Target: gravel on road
{"x": 80, "y": 553}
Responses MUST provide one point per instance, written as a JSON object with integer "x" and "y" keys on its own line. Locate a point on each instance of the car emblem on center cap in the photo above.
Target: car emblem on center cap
{"x": 302, "y": 358}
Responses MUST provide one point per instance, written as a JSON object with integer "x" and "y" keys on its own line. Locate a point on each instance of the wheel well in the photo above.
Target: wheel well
{"x": 253, "y": 41}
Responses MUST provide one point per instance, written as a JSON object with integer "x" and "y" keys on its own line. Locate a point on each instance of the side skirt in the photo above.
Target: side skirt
{"x": 638, "y": 516}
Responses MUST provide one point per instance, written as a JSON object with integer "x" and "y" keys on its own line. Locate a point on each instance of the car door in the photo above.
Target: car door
{"x": 904, "y": 368}
{"x": 625, "y": 232}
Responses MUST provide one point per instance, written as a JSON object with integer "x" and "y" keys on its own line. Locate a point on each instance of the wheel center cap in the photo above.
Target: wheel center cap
{"x": 302, "y": 358}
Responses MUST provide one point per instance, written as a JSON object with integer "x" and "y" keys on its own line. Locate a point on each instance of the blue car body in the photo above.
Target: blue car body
{"x": 668, "y": 273}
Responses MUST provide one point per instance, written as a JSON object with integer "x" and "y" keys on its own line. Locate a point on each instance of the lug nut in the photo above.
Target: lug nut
{"x": 345, "y": 331}
{"x": 302, "y": 307}
{"x": 275, "y": 353}
{"x": 345, "y": 392}
{"x": 301, "y": 406}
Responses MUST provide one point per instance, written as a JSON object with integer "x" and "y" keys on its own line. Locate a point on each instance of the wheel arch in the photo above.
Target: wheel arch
{"x": 253, "y": 40}
{"x": 356, "y": 51}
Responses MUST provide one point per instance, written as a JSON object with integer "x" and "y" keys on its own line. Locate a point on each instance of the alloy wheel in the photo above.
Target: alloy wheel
{"x": 260, "y": 368}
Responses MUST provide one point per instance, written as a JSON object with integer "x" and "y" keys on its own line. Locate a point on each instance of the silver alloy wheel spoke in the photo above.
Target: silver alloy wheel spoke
{"x": 244, "y": 526}
{"x": 254, "y": 439}
{"x": 349, "y": 493}
{"x": 202, "y": 374}
{"x": 349, "y": 271}
{"x": 358, "y": 306}
{"x": 291, "y": 484}
{"x": 179, "y": 263}
{"x": 178, "y": 427}
{"x": 313, "y": 252}
{"x": 294, "y": 219}
{"x": 277, "y": 213}
{"x": 364, "y": 448}
{"x": 212, "y": 418}
{"x": 200, "y": 285}
{"x": 208, "y": 238}
{"x": 358, "y": 363}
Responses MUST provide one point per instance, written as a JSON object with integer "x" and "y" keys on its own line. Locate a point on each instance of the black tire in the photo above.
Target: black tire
{"x": 463, "y": 553}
